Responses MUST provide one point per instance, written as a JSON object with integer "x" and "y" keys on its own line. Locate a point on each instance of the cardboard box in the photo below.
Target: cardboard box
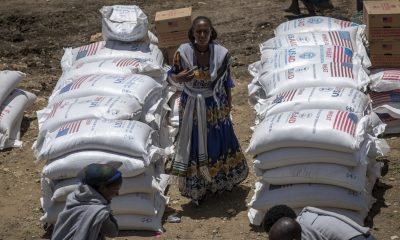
{"x": 385, "y": 60}
{"x": 380, "y": 47}
{"x": 172, "y": 38}
{"x": 382, "y": 14}
{"x": 383, "y": 34}
{"x": 173, "y": 20}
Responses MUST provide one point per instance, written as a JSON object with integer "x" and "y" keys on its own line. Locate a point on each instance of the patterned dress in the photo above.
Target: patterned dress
{"x": 226, "y": 164}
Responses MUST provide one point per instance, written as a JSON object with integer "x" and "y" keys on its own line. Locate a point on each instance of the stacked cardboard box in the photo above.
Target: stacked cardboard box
{"x": 172, "y": 29}
{"x": 383, "y": 32}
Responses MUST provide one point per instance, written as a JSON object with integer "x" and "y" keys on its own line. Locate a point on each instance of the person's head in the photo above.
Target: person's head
{"x": 202, "y": 32}
{"x": 285, "y": 229}
{"x": 275, "y": 213}
{"x": 104, "y": 178}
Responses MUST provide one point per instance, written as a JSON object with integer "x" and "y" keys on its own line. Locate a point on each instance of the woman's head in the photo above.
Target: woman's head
{"x": 202, "y": 32}
{"x": 104, "y": 178}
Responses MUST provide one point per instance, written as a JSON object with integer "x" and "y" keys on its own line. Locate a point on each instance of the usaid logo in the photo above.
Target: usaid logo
{"x": 307, "y": 55}
{"x": 315, "y": 20}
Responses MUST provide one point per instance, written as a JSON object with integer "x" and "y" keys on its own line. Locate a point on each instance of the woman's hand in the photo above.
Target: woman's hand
{"x": 184, "y": 76}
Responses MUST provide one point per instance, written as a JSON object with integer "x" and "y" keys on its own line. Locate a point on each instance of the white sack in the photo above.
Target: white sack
{"x": 386, "y": 102}
{"x": 313, "y": 24}
{"x": 315, "y": 128}
{"x": 123, "y": 23}
{"x": 135, "y": 203}
{"x": 293, "y": 155}
{"x": 311, "y": 75}
{"x": 344, "y": 99}
{"x": 140, "y": 222}
{"x": 11, "y": 114}
{"x": 174, "y": 104}
{"x": 353, "y": 178}
{"x": 274, "y": 60}
{"x": 143, "y": 183}
{"x": 115, "y": 66}
{"x": 111, "y": 49}
{"x": 132, "y": 138}
{"x": 392, "y": 124}
{"x": 385, "y": 80}
{"x": 8, "y": 82}
{"x": 69, "y": 166}
{"x": 301, "y": 195}
{"x": 350, "y": 38}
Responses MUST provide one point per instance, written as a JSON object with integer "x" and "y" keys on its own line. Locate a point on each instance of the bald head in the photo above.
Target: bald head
{"x": 285, "y": 229}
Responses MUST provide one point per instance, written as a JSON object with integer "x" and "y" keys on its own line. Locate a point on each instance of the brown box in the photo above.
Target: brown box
{"x": 385, "y": 60}
{"x": 383, "y": 34}
{"x": 382, "y": 14}
{"x": 381, "y": 47}
{"x": 172, "y": 38}
{"x": 173, "y": 20}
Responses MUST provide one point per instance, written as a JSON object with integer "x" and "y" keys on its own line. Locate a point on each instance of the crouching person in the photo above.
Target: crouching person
{"x": 87, "y": 214}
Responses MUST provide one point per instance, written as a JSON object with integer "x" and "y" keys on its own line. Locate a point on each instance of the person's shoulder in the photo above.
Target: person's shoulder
{"x": 222, "y": 48}
{"x": 184, "y": 46}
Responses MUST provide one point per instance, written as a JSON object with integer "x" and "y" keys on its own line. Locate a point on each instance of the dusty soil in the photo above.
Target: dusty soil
{"x": 32, "y": 36}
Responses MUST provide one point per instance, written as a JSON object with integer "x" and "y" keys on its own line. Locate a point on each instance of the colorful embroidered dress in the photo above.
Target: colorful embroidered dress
{"x": 208, "y": 155}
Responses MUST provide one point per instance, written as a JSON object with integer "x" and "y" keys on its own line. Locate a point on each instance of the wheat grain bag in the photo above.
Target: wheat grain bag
{"x": 385, "y": 80}
{"x": 295, "y": 155}
{"x": 302, "y": 195}
{"x": 392, "y": 124}
{"x": 344, "y": 99}
{"x": 132, "y": 138}
{"x": 111, "y": 49}
{"x": 314, "y": 24}
{"x": 92, "y": 107}
{"x": 315, "y": 128}
{"x": 140, "y": 222}
{"x": 11, "y": 114}
{"x": 353, "y": 178}
{"x": 115, "y": 66}
{"x": 8, "y": 82}
{"x": 125, "y": 23}
{"x": 349, "y": 38}
{"x": 274, "y": 60}
{"x": 386, "y": 102}
{"x": 69, "y": 165}
{"x": 311, "y": 75}
{"x": 143, "y": 183}
{"x": 135, "y": 203}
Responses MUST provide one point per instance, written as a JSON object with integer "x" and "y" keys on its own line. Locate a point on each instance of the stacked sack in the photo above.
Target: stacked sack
{"x": 314, "y": 143}
{"x": 13, "y": 103}
{"x": 385, "y": 96}
{"x": 107, "y": 107}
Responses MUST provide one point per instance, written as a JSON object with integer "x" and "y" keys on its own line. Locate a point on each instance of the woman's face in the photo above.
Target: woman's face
{"x": 202, "y": 32}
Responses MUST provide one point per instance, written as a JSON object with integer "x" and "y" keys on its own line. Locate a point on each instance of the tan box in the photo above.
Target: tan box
{"x": 385, "y": 60}
{"x": 380, "y": 47}
{"x": 172, "y": 38}
{"x": 173, "y": 20}
{"x": 382, "y": 14}
{"x": 383, "y": 34}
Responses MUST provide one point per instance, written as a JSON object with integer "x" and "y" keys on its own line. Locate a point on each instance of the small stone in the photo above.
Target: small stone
{"x": 392, "y": 179}
{"x": 395, "y": 211}
{"x": 394, "y": 237}
{"x": 231, "y": 211}
{"x": 224, "y": 219}
{"x": 215, "y": 231}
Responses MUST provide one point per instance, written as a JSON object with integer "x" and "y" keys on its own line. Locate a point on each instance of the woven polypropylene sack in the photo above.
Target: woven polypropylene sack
{"x": 8, "y": 82}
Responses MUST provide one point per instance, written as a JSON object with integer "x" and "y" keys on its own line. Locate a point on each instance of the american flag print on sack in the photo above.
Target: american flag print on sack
{"x": 285, "y": 96}
{"x": 342, "y": 54}
{"x": 346, "y": 122}
{"x": 341, "y": 38}
{"x": 127, "y": 62}
{"x": 391, "y": 75}
{"x": 68, "y": 128}
{"x": 54, "y": 110}
{"x": 75, "y": 84}
{"x": 342, "y": 70}
{"x": 88, "y": 50}
{"x": 379, "y": 98}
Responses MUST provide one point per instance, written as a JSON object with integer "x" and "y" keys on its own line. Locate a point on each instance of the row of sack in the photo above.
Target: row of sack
{"x": 13, "y": 103}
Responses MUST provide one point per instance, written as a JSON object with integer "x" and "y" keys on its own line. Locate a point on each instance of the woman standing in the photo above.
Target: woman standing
{"x": 208, "y": 155}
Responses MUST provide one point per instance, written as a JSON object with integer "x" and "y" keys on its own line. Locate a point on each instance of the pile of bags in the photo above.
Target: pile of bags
{"x": 13, "y": 103}
{"x": 107, "y": 107}
{"x": 385, "y": 96}
{"x": 314, "y": 143}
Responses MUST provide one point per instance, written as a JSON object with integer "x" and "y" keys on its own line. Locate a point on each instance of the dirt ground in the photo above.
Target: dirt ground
{"x": 32, "y": 36}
